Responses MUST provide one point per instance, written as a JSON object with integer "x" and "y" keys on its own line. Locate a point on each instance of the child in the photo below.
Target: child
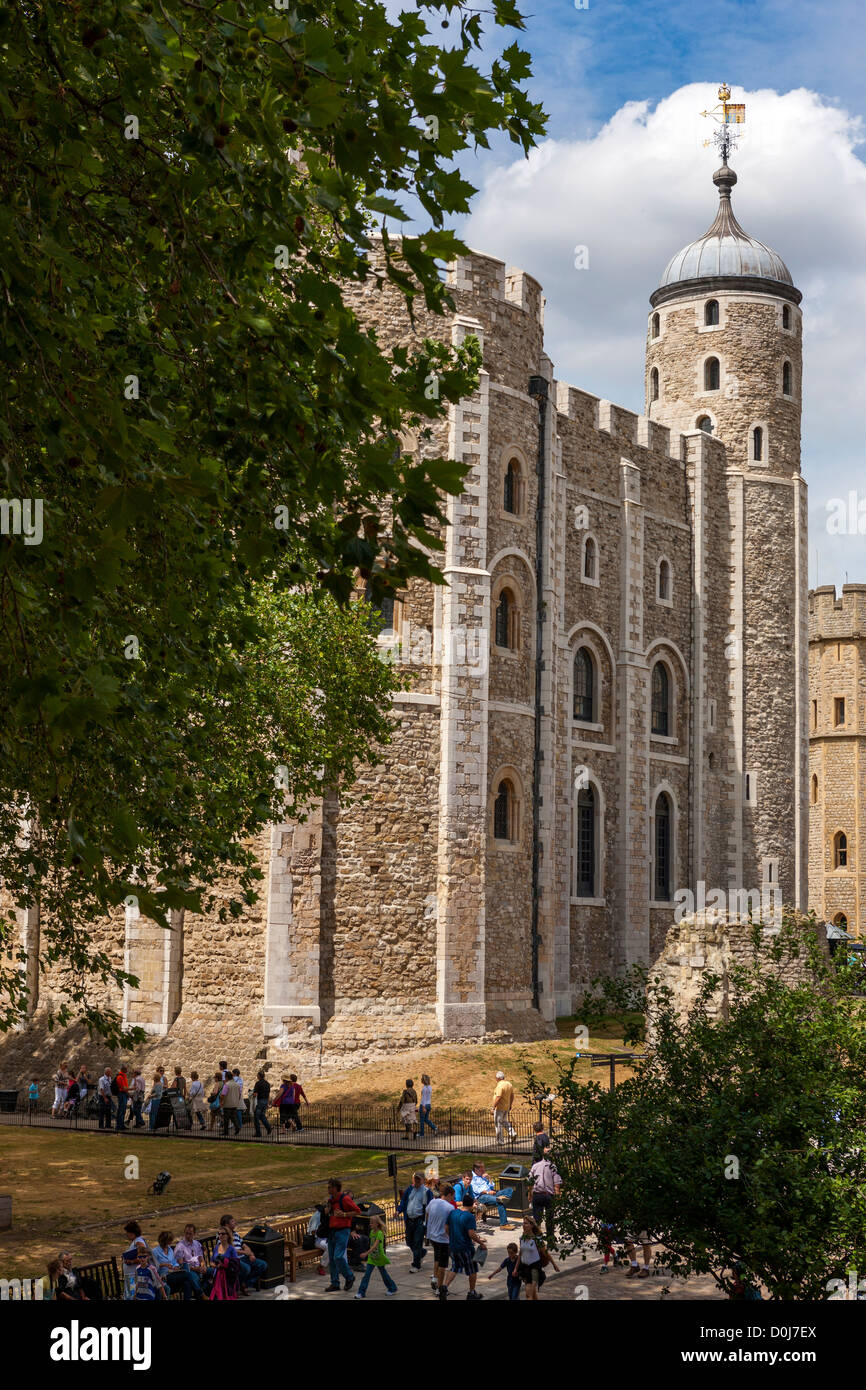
{"x": 377, "y": 1259}
{"x": 32, "y": 1096}
{"x": 605, "y": 1240}
{"x": 511, "y": 1265}
{"x": 148, "y": 1285}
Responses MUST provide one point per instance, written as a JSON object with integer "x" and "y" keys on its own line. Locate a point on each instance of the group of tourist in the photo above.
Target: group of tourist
{"x": 124, "y": 1098}
{"x": 156, "y": 1273}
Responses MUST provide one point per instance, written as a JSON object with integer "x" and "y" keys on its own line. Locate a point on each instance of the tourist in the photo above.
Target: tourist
{"x": 240, "y": 1085}
{"x": 503, "y": 1101}
{"x": 149, "y": 1287}
{"x": 533, "y": 1258}
{"x": 197, "y": 1107}
{"x": 120, "y": 1088}
{"x": 426, "y": 1105}
{"x": 230, "y": 1104}
{"x": 84, "y": 1087}
{"x": 69, "y": 1285}
{"x": 546, "y": 1186}
{"x": 439, "y": 1208}
{"x": 377, "y": 1259}
{"x": 154, "y": 1099}
{"x": 261, "y": 1092}
{"x": 463, "y": 1237}
{"x": 213, "y": 1100}
{"x": 408, "y": 1105}
{"x": 87, "y": 1288}
{"x": 511, "y": 1265}
{"x": 339, "y": 1212}
{"x": 129, "y": 1258}
{"x": 540, "y": 1140}
{"x": 61, "y": 1081}
{"x": 178, "y": 1085}
{"x": 224, "y": 1071}
{"x": 190, "y": 1254}
{"x": 294, "y": 1105}
{"x": 53, "y": 1270}
{"x": 283, "y": 1100}
{"x": 173, "y": 1273}
{"x": 73, "y": 1097}
{"x": 33, "y": 1095}
{"x": 631, "y": 1254}
{"x": 462, "y": 1186}
{"x": 226, "y": 1267}
{"x": 251, "y": 1267}
{"x": 136, "y": 1096}
{"x": 483, "y": 1189}
{"x": 411, "y": 1207}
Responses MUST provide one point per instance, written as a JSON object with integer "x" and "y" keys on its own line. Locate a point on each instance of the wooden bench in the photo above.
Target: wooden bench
{"x": 297, "y": 1256}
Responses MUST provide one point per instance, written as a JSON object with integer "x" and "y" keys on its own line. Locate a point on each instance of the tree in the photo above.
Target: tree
{"x": 741, "y": 1137}
{"x": 194, "y": 423}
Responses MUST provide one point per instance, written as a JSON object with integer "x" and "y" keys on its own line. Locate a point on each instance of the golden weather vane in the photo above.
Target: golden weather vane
{"x": 727, "y": 114}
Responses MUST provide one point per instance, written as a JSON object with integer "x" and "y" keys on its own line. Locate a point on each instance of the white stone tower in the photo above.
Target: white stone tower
{"x": 724, "y": 356}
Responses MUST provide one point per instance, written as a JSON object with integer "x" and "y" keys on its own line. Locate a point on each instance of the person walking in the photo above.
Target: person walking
{"x": 534, "y": 1255}
{"x": 408, "y": 1105}
{"x": 213, "y": 1100}
{"x": 137, "y": 1088}
{"x": 61, "y": 1086}
{"x": 377, "y": 1259}
{"x": 503, "y": 1102}
{"x": 261, "y": 1092}
{"x": 546, "y": 1186}
{"x": 426, "y": 1105}
{"x": 284, "y": 1100}
{"x": 154, "y": 1100}
{"x": 511, "y": 1265}
{"x": 240, "y": 1084}
{"x": 230, "y": 1105}
{"x": 33, "y": 1096}
{"x": 411, "y": 1207}
{"x": 120, "y": 1086}
{"x": 103, "y": 1099}
{"x": 439, "y": 1208}
{"x": 84, "y": 1087}
{"x": 339, "y": 1212}
{"x": 294, "y": 1105}
{"x": 462, "y": 1238}
{"x": 197, "y": 1107}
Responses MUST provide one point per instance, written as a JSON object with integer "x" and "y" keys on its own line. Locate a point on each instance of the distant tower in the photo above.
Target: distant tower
{"x": 724, "y": 356}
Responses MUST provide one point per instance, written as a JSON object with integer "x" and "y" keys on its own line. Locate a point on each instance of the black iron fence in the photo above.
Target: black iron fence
{"x": 330, "y": 1124}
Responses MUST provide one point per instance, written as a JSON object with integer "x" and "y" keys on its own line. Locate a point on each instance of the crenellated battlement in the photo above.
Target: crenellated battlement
{"x": 490, "y": 278}
{"x": 835, "y": 617}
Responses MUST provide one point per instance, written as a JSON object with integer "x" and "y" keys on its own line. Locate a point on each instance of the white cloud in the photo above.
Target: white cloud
{"x": 641, "y": 189}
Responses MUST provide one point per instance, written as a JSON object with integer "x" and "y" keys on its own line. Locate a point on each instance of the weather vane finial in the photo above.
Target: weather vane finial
{"x": 728, "y": 113}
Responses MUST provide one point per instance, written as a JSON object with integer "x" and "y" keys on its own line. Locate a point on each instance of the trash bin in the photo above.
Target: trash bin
{"x": 179, "y": 1111}
{"x": 368, "y": 1208}
{"x": 268, "y": 1245}
{"x": 516, "y": 1175}
{"x": 8, "y": 1100}
{"x": 163, "y": 1118}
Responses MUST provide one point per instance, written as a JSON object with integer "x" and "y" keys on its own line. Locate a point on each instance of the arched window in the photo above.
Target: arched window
{"x": 840, "y": 920}
{"x": 584, "y": 686}
{"x": 711, "y": 311}
{"x": 704, "y": 423}
{"x": 814, "y": 788}
{"x": 505, "y": 615}
{"x": 585, "y": 844}
{"x": 590, "y": 559}
{"x": 662, "y": 854}
{"x": 840, "y": 850}
{"x": 664, "y": 592}
{"x": 654, "y": 384}
{"x": 511, "y": 488}
{"x": 786, "y": 379}
{"x": 503, "y": 812}
{"x": 384, "y": 609}
{"x": 786, "y": 316}
{"x": 656, "y": 326}
{"x": 712, "y": 374}
{"x": 661, "y": 700}
{"x": 757, "y": 444}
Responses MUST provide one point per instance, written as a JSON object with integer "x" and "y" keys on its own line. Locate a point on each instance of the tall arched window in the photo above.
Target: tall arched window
{"x": 662, "y": 854}
{"x": 660, "y": 700}
{"x": 511, "y": 488}
{"x": 664, "y": 581}
{"x": 712, "y": 374}
{"x": 590, "y": 559}
{"x": 840, "y": 850}
{"x": 654, "y": 384}
{"x": 786, "y": 379}
{"x": 705, "y": 423}
{"x": 504, "y": 619}
{"x": 814, "y": 788}
{"x": 656, "y": 325}
{"x": 584, "y": 686}
{"x": 711, "y": 311}
{"x": 840, "y": 920}
{"x": 503, "y": 812}
{"x": 585, "y": 844}
{"x": 786, "y": 316}
{"x": 757, "y": 444}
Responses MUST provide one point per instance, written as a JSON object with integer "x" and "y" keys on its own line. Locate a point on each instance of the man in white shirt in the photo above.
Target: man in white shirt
{"x": 197, "y": 1105}
{"x": 103, "y": 1099}
{"x": 484, "y": 1191}
{"x": 435, "y": 1216}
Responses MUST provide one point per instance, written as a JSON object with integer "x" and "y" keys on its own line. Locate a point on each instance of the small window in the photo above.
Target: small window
{"x": 664, "y": 592}
{"x": 585, "y": 847}
{"x": 840, "y": 850}
{"x": 584, "y": 686}
{"x": 662, "y": 886}
{"x": 507, "y": 618}
{"x": 786, "y": 379}
{"x": 814, "y": 714}
{"x": 504, "y": 812}
{"x": 712, "y": 374}
{"x": 814, "y": 788}
{"x": 660, "y": 700}
{"x": 750, "y": 788}
{"x": 711, "y": 717}
{"x": 656, "y": 328}
{"x": 840, "y": 920}
{"x": 384, "y": 609}
{"x": 590, "y": 559}
{"x": 786, "y": 316}
{"x": 704, "y": 423}
{"x": 838, "y": 711}
{"x": 654, "y": 384}
{"x": 511, "y": 488}
{"x": 757, "y": 444}
{"x": 711, "y": 311}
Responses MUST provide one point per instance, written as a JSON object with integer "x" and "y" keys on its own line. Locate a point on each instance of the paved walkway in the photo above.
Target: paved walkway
{"x": 577, "y": 1279}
